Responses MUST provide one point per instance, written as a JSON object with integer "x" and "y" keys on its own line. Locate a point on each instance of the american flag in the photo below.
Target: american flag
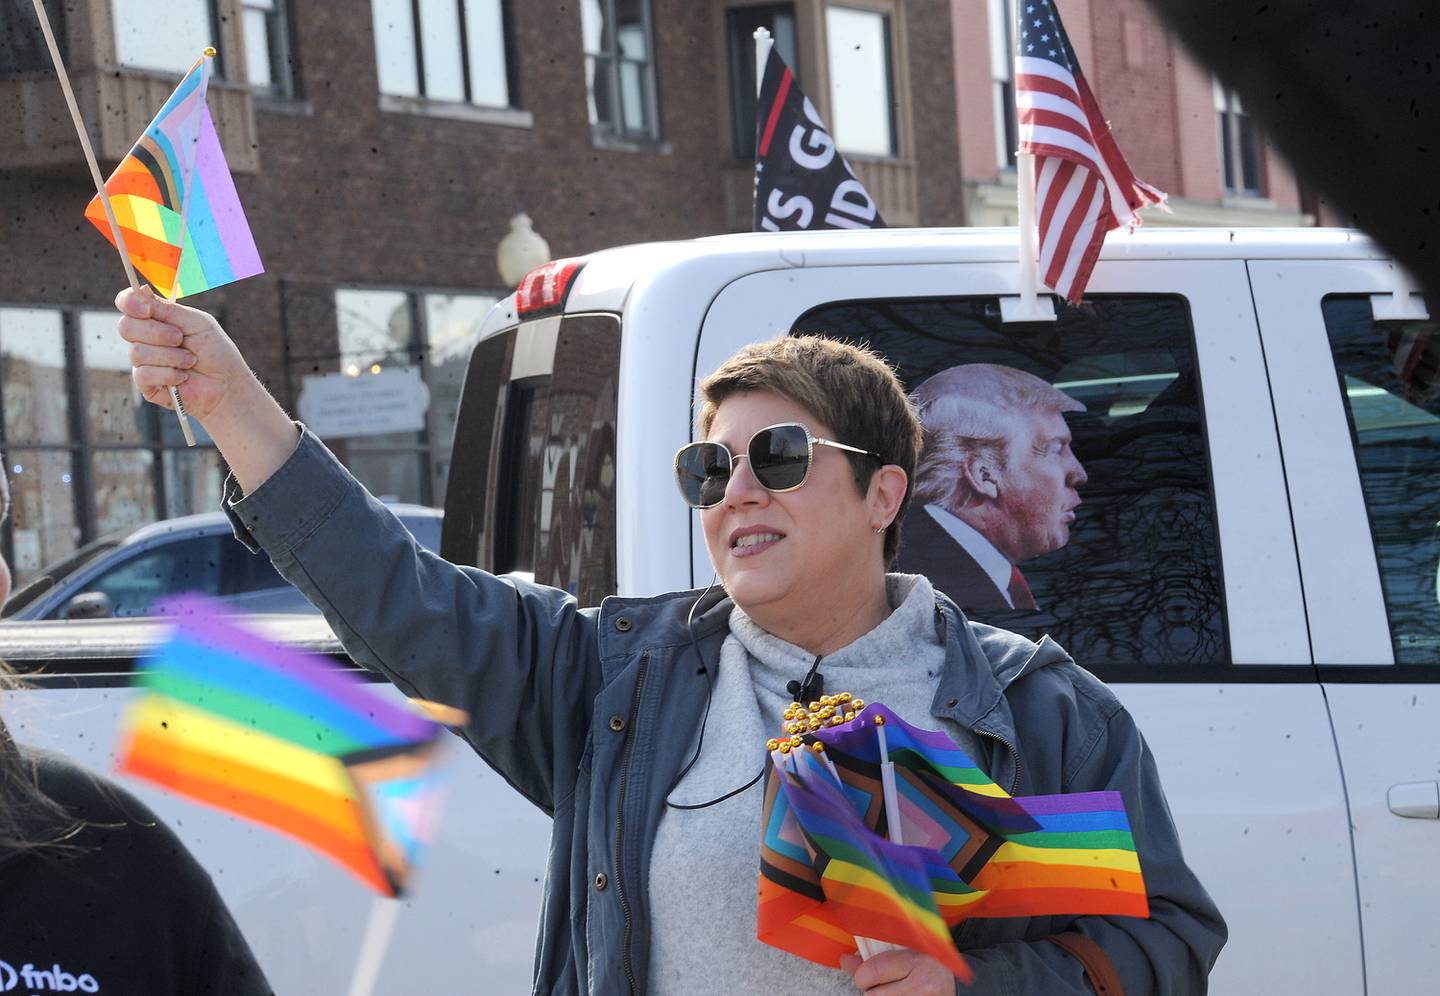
{"x": 1083, "y": 185}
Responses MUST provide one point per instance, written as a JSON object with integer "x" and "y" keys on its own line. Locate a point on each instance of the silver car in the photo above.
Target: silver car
{"x": 126, "y": 575}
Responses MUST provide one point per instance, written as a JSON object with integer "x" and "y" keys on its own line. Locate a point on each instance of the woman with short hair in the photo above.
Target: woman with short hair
{"x": 639, "y": 725}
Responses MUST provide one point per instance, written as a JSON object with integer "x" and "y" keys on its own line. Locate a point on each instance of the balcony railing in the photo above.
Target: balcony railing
{"x": 116, "y": 105}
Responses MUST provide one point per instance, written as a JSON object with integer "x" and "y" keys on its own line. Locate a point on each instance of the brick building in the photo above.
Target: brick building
{"x": 380, "y": 150}
{"x": 381, "y": 147}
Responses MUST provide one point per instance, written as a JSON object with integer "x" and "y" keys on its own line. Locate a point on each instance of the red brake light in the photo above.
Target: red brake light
{"x": 544, "y": 288}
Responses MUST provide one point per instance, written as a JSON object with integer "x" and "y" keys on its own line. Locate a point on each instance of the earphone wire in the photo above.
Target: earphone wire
{"x": 705, "y": 717}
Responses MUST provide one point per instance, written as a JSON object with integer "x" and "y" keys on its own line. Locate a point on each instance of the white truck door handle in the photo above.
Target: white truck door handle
{"x": 1417, "y": 800}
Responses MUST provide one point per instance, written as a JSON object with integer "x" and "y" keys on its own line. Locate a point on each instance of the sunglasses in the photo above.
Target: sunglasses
{"x": 779, "y": 456}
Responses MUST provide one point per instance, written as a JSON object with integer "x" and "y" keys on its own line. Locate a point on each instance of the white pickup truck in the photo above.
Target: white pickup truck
{"x": 1253, "y": 565}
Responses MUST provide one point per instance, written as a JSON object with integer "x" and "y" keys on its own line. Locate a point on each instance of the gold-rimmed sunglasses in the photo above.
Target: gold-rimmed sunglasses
{"x": 779, "y": 455}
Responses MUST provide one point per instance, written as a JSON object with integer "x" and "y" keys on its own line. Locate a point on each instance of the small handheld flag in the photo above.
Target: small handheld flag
{"x": 256, "y": 729}
{"x": 801, "y": 180}
{"x": 1083, "y": 187}
{"x": 878, "y": 831}
{"x": 174, "y": 199}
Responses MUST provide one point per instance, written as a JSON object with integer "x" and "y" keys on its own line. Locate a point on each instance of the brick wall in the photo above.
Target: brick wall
{"x": 349, "y": 194}
{"x": 974, "y": 98}
{"x": 1131, "y": 76}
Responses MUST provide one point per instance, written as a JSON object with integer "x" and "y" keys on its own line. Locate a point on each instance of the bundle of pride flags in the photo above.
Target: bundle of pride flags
{"x": 175, "y": 202}
{"x": 833, "y": 867}
{"x": 265, "y": 732}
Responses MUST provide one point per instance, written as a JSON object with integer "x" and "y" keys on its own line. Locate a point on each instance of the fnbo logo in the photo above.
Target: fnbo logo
{"x": 53, "y": 979}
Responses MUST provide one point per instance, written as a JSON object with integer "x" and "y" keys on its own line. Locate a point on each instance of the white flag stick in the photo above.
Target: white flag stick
{"x": 762, "y": 56}
{"x": 1025, "y": 195}
{"x": 869, "y": 947}
{"x": 1028, "y": 307}
{"x": 378, "y": 931}
{"x": 100, "y": 189}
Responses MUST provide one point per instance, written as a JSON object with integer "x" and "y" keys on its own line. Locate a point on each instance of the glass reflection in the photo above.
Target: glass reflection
{"x": 123, "y": 483}
{"x": 32, "y": 363}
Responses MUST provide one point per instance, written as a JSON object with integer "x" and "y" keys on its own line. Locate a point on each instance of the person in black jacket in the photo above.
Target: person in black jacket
{"x": 97, "y": 895}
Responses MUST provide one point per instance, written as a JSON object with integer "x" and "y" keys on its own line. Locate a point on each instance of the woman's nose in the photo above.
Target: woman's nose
{"x": 742, "y": 487}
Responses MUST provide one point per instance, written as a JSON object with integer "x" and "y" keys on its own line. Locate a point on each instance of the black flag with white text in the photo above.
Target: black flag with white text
{"x": 801, "y": 180}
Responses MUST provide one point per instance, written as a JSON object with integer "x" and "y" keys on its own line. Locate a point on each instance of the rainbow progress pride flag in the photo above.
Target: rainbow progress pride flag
{"x": 287, "y": 740}
{"x": 175, "y": 201}
{"x": 984, "y": 852}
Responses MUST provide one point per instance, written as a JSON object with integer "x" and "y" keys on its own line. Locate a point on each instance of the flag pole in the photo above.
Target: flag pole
{"x": 378, "y": 931}
{"x": 1029, "y": 306}
{"x": 762, "y": 55}
{"x": 1025, "y": 197}
{"x": 100, "y": 189}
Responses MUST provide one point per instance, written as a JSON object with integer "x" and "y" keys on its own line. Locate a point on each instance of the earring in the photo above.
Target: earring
{"x": 879, "y": 530}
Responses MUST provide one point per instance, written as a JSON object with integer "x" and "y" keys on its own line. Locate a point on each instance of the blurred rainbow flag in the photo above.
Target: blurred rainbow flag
{"x": 826, "y": 878}
{"x": 175, "y": 200}
{"x": 287, "y": 740}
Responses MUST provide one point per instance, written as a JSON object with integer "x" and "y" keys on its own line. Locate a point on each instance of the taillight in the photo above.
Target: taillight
{"x": 544, "y": 288}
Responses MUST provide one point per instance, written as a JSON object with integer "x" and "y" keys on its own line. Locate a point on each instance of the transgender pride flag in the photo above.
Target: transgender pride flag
{"x": 173, "y": 196}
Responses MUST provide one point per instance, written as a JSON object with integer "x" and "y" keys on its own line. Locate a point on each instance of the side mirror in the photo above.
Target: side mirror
{"x": 88, "y": 605}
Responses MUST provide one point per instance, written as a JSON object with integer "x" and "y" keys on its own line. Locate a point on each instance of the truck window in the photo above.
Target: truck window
{"x": 1390, "y": 382}
{"x": 1064, "y": 487}
{"x": 532, "y": 480}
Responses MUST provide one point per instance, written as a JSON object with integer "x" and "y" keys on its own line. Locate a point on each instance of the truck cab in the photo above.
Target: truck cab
{"x": 1252, "y": 565}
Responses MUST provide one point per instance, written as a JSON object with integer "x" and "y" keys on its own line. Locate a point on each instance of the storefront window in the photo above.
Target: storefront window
{"x": 115, "y": 412}
{"x": 192, "y": 480}
{"x": 32, "y": 355}
{"x": 42, "y": 522}
{"x": 402, "y": 331}
{"x": 84, "y": 453}
{"x": 123, "y": 483}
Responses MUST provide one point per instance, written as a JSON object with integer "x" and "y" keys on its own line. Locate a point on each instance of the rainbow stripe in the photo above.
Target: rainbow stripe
{"x": 871, "y": 887}
{"x": 981, "y": 852}
{"x": 286, "y": 740}
{"x": 175, "y": 200}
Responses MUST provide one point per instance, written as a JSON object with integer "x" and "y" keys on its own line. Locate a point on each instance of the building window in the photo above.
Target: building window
{"x": 22, "y": 46}
{"x": 450, "y": 50}
{"x": 741, "y": 22}
{"x": 267, "y": 48}
{"x": 1239, "y": 144}
{"x": 862, "y": 99}
{"x": 431, "y": 334}
{"x": 1002, "y": 73}
{"x": 620, "y": 67}
{"x": 189, "y": 26}
{"x": 84, "y": 454}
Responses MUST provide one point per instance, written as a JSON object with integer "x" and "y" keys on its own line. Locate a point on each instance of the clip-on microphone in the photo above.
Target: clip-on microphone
{"x": 811, "y": 688}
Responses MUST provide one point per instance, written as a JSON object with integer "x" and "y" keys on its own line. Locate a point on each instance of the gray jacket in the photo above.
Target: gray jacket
{"x": 587, "y": 713}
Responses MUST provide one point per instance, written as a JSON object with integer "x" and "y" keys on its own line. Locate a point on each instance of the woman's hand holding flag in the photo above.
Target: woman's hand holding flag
{"x": 171, "y": 344}
{"x": 900, "y": 973}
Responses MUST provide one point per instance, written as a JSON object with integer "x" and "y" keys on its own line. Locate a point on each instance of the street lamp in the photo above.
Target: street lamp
{"x": 520, "y": 251}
